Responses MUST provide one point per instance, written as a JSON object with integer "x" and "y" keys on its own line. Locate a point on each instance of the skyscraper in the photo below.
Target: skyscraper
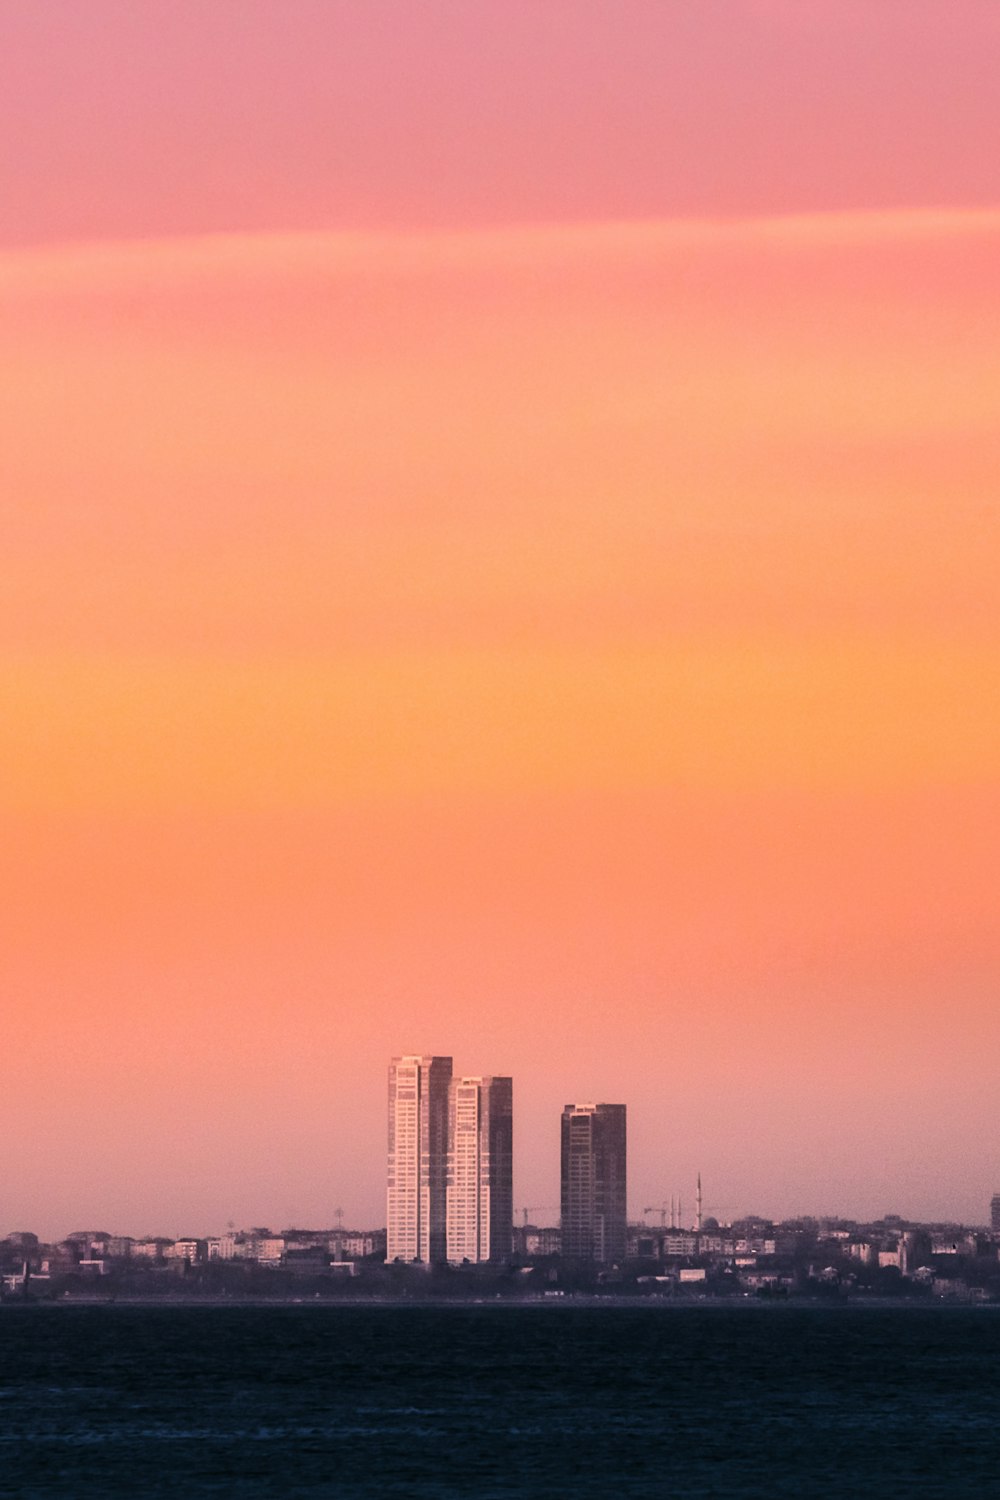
{"x": 995, "y": 1213}
{"x": 480, "y": 1169}
{"x": 593, "y": 1181}
{"x": 418, "y": 1158}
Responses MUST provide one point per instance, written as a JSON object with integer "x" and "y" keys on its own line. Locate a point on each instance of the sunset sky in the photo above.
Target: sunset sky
{"x": 500, "y": 557}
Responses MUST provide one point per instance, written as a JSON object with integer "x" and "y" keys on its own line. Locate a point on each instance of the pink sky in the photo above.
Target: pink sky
{"x": 499, "y": 558}
{"x": 128, "y": 118}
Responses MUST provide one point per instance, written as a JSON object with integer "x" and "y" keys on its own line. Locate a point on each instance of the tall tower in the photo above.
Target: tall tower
{"x": 593, "y": 1182}
{"x": 418, "y": 1159}
{"x": 480, "y": 1169}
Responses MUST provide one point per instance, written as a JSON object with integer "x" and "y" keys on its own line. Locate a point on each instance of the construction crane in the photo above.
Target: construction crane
{"x": 673, "y": 1208}
{"x": 538, "y": 1208}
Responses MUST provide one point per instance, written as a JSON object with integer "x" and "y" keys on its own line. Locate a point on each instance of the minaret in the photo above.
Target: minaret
{"x": 697, "y": 1222}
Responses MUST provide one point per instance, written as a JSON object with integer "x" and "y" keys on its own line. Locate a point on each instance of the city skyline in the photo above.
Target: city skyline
{"x": 675, "y": 1191}
{"x": 449, "y": 1195}
{"x": 499, "y": 553}
{"x": 806, "y": 1259}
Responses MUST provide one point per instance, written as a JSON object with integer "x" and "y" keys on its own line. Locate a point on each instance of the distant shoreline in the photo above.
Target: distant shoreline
{"x": 648, "y": 1304}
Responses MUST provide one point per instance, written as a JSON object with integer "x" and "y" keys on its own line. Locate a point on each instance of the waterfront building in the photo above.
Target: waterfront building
{"x": 480, "y": 1202}
{"x": 190, "y": 1250}
{"x": 541, "y": 1240}
{"x": 593, "y": 1182}
{"x": 356, "y": 1244}
{"x": 416, "y": 1199}
{"x": 150, "y": 1249}
{"x": 222, "y": 1247}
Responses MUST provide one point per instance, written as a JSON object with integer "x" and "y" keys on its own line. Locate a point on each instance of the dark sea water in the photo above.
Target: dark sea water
{"x": 499, "y": 1401}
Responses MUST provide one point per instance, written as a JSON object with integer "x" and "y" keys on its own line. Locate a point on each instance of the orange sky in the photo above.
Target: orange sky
{"x": 554, "y": 627}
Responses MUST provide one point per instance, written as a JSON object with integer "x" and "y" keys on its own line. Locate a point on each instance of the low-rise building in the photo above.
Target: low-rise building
{"x": 221, "y": 1247}
{"x": 679, "y": 1244}
{"x": 150, "y": 1249}
{"x": 190, "y": 1250}
{"x": 716, "y": 1244}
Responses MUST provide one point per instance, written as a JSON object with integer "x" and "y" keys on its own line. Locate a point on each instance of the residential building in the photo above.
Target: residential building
{"x": 539, "y": 1241}
{"x": 480, "y": 1201}
{"x": 222, "y": 1247}
{"x": 716, "y": 1244}
{"x": 150, "y": 1249}
{"x": 677, "y": 1243}
{"x": 189, "y": 1250}
{"x": 416, "y": 1200}
{"x": 352, "y": 1244}
{"x": 593, "y": 1182}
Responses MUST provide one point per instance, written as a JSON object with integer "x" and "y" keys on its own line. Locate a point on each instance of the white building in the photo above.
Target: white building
{"x": 190, "y": 1250}
{"x": 416, "y": 1211}
{"x": 354, "y": 1245}
{"x": 222, "y": 1247}
{"x": 480, "y": 1201}
{"x": 150, "y": 1249}
{"x": 679, "y": 1242}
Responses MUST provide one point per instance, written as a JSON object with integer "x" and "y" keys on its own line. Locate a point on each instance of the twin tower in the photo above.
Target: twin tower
{"x": 450, "y": 1192}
